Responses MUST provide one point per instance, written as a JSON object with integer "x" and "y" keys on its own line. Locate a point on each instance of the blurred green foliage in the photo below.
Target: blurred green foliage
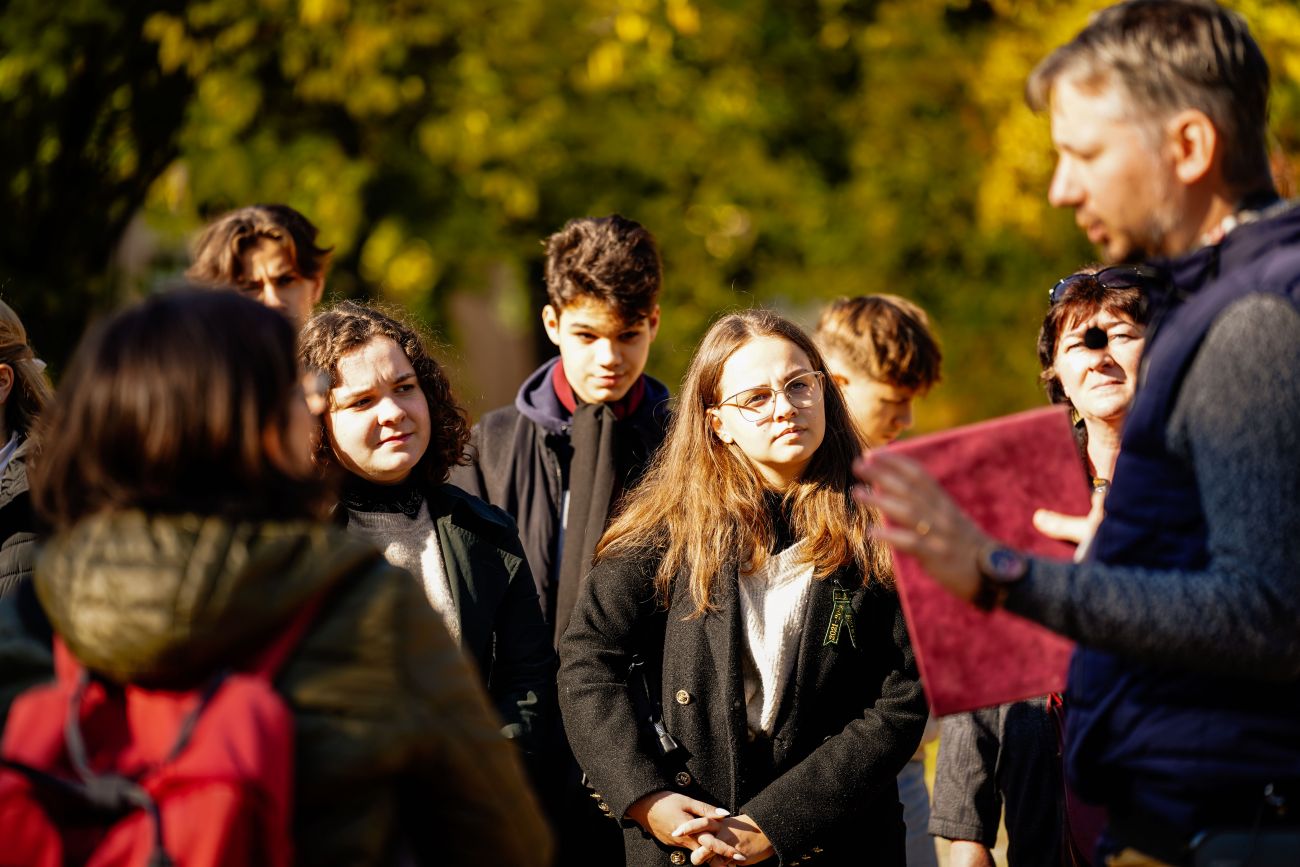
{"x": 784, "y": 152}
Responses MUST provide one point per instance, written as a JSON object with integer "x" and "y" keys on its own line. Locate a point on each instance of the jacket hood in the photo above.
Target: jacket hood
{"x": 538, "y": 402}
{"x": 168, "y": 599}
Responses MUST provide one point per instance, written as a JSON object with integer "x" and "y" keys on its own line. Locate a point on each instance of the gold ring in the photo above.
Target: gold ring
{"x": 922, "y": 528}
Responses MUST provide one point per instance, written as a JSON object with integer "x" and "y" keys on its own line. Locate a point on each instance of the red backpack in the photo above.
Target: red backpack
{"x": 100, "y": 774}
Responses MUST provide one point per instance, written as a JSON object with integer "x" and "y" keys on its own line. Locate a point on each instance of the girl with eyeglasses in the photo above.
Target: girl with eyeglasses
{"x": 737, "y": 680}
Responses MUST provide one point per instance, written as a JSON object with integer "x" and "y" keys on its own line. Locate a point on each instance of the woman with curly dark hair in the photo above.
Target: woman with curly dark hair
{"x": 392, "y": 423}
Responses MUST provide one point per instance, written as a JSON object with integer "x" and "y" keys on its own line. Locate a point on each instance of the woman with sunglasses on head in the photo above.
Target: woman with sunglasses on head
{"x": 1090, "y": 346}
{"x": 737, "y": 681}
{"x": 1007, "y": 757}
{"x": 394, "y": 427}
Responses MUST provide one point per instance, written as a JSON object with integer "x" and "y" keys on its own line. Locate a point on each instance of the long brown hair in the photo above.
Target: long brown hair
{"x": 702, "y": 503}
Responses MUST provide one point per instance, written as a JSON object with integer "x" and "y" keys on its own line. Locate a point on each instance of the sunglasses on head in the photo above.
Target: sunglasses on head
{"x": 1114, "y": 277}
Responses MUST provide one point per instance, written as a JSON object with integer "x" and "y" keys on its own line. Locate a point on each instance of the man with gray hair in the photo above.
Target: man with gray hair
{"x": 1184, "y": 716}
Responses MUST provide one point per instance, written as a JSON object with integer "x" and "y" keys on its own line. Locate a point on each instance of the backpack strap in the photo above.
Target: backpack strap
{"x": 272, "y": 657}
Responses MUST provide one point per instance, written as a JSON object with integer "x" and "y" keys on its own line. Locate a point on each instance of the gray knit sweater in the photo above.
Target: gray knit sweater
{"x": 412, "y": 544}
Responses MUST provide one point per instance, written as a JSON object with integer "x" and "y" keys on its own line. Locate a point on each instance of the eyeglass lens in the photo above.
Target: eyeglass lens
{"x": 759, "y": 403}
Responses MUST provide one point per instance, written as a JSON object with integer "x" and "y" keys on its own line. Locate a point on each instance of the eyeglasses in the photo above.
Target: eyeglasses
{"x": 1114, "y": 277}
{"x": 315, "y": 387}
{"x": 757, "y": 405}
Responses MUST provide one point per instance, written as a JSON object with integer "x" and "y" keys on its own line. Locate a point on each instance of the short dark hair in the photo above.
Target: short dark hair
{"x": 1170, "y": 55}
{"x": 349, "y": 325}
{"x": 165, "y": 407}
{"x": 31, "y": 391}
{"x": 219, "y": 250}
{"x": 611, "y": 259}
{"x": 886, "y": 337}
{"x": 1078, "y": 297}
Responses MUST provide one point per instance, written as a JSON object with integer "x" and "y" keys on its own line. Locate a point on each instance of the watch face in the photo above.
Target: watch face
{"x": 1006, "y": 564}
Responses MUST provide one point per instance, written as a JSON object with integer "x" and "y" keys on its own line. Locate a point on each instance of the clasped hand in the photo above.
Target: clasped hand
{"x": 709, "y": 832}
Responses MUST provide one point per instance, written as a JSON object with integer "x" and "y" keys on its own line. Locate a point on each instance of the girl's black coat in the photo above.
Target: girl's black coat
{"x": 850, "y": 720}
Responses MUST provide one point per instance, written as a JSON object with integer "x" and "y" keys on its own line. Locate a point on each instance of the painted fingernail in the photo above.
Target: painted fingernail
{"x": 681, "y": 829}
{"x": 721, "y": 812}
{"x": 738, "y": 857}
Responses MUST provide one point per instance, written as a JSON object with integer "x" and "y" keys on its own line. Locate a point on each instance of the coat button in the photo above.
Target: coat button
{"x": 683, "y": 697}
{"x": 604, "y": 808}
{"x": 683, "y": 779}
{"x": 678, "y": 857}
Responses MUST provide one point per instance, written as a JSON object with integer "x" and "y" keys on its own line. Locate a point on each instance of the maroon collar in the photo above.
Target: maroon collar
{"x": 623, "y": 407}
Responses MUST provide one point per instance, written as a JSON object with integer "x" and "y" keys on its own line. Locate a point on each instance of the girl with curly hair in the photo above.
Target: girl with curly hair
{"x": 392, "y": 424}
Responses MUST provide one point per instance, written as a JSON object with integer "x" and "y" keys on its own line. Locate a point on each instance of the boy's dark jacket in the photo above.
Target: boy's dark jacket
{"x": 521, "y": 458}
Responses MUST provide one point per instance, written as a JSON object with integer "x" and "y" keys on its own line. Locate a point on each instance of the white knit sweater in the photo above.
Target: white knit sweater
{"x": 772, "y": 603}
{"x": 412, "y": 543}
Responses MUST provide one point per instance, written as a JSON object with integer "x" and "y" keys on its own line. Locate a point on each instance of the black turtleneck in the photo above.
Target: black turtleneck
{"x": 362, "y": 495}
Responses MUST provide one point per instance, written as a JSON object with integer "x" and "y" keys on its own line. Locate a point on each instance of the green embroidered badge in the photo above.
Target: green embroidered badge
{"x": 841, "y": 619}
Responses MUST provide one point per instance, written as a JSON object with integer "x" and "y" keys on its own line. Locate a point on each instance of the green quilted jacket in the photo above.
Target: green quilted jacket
{"x": 398, "y": 752}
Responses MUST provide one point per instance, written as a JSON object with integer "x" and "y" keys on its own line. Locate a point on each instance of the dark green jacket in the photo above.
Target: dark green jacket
{"x": 17, "y": 525}
{"x": 501, "y": 622}
{"x": 396, "y": 744}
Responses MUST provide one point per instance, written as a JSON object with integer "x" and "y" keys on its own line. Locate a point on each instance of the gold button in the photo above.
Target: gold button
{"x": 683, "y": 697}
{"x": 604, "y": 808}
{"x": 683, "y": 779}
{"x": 817, "y": 850}
{"x": 678, "y": 857}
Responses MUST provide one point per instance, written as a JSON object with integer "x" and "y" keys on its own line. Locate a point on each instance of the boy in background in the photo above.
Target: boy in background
{"x": 267, "y": 253}
{"x": 881, "y": 352}
{"x": 581, "y": 431}
{"x": 584, "y": 425}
